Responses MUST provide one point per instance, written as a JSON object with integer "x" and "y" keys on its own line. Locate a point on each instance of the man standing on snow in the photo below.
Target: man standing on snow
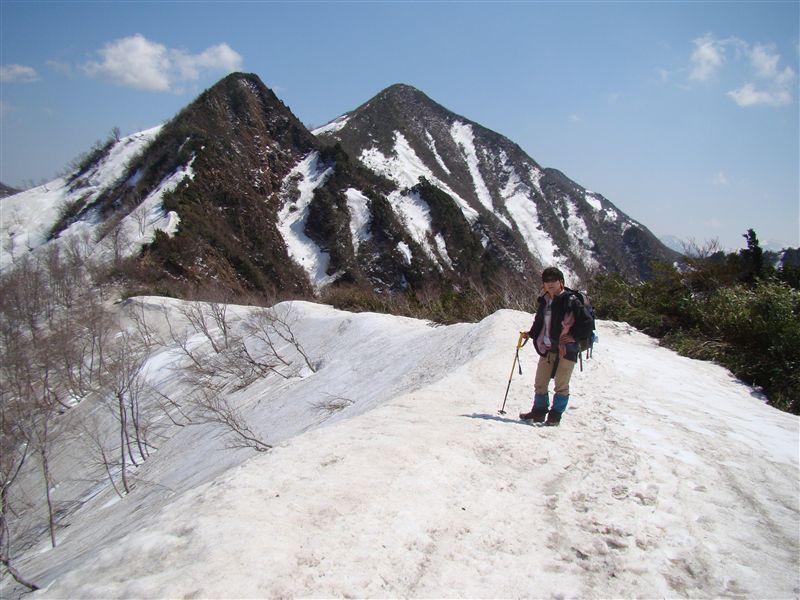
{"x": 557, "y": 349}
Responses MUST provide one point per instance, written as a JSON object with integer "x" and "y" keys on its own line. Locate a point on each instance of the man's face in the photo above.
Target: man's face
{"x": 552, "y": 287}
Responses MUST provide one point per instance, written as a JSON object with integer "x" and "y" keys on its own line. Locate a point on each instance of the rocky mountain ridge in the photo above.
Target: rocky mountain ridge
{"x": 536, "y": 215}
{"x": 400, "y": 193}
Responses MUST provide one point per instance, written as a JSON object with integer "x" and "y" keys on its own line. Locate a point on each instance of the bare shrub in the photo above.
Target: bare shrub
{"x": 15, "y": 449}
{"x": 222, "y": 356}
{"x": 216, "y": 408}
{"x": 123, "y": 392}
{"x": 331, "y": 404}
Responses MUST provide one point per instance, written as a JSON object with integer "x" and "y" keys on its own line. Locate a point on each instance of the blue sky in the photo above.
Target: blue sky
{"x": 684, "y": 114}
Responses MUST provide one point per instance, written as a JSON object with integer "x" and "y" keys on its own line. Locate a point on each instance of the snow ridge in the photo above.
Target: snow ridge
{"x": 28, "y": 217}
{"x": 640, "y": 493}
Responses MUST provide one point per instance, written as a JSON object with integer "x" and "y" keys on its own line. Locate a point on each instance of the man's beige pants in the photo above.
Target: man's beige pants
{"x": 544, "y": 372}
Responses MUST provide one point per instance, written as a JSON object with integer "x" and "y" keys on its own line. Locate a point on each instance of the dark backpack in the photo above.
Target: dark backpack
{"x": 583, "y": 328}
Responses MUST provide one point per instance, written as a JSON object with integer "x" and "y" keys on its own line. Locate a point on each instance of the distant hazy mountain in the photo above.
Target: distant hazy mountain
{"x": 7, "y": 190}
{"x": 673, "y": 242}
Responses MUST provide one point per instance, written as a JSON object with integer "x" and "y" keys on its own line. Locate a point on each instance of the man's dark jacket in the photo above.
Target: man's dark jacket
{"x": 565, "y": 302}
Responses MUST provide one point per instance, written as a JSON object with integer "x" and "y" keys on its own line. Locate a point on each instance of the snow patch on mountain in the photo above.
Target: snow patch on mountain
{"x": 523, "y": 211}
{"x": 27, "y": 218}
{"x": 432, "y": 146}
{"x": 405, "y": 252}
{"x": 608, "y": 213}
{"x": 520, "y": 202}
{"x": 536, "y": 178}
{"x": 611, "y": 215}
{"x": 441, "y": 246}
{"x": 360, "y": 218}
{"x": 579, "y": 238}
{"x": 112, "y": 167}
{"x": 139, "y": 227}
{"x": 593, "y": 201}
{"x": 415, "y": 214}
{"x": 306, "y": 176}
{"x": 332, "y": 127}
{"x": 465, "y": 139}
{"x": 405, "y": 168}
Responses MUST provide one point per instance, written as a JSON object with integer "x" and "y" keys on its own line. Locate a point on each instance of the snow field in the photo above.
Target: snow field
{"x": 26, "y": 218}
{"x": 667, "y": 478}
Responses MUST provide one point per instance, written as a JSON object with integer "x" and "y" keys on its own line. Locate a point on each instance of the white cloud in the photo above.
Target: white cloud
{"x": 18, "y": 74}
{"x": 133, "y": 62}
{"x": 575, "y": 118}
{"x": 765, "y": 64}
{"x": 142, "y": 64}
{"x": 721, "y": 178}
{"x": 60, "y": 67}
{"x": 785, "y": 77}
{"x": 663, "y": 74}
{"x": 220, "y": 57}
{"x": 777, "y": 83}
{"x": 748, "y": 95}
{"x": 707, "y": 58}
{"x": 748, "y": 63}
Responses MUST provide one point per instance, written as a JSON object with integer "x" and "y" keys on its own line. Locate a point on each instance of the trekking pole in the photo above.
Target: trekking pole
{"x": 520, "y": 344}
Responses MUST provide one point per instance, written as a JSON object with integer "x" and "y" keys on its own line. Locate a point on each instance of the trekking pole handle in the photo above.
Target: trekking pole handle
{"x": 521, "y": 341}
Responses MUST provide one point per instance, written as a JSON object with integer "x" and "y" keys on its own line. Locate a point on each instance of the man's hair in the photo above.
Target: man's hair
{"x": 552, "y": 274}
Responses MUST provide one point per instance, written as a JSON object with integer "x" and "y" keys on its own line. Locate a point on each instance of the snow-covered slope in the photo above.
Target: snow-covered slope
{"x": 667, "y": 478}
{"x": 27, "y": 218}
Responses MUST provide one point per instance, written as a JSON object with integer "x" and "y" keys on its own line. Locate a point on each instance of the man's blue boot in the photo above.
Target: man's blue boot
{"x": 559, "y": 406}
{"x": 541, "y": 402}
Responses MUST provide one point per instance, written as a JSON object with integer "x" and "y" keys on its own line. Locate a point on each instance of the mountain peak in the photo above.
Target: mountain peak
{"x": 401, "y": 90}
{"x": 401, "y": 101}
{"x": 524, "y": 216}
{"x": 238, "y": 77}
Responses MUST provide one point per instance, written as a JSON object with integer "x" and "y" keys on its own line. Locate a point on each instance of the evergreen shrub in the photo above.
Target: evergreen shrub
{"x": 732, "y": 310}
